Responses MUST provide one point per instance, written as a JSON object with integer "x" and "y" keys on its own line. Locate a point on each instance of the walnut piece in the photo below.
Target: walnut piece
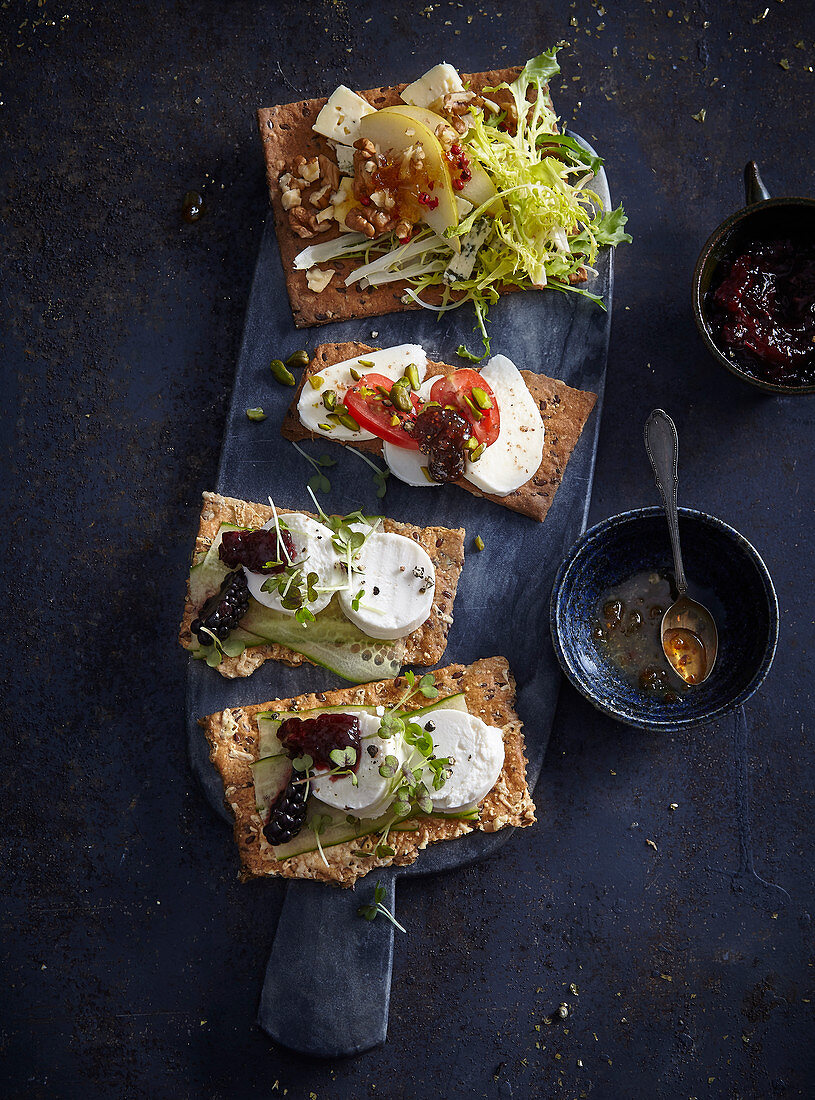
{"x": 320, "y": 198}
{"x": 318, "y": 279}
{"x": 301, "y": 222}
{"x": 358, "y": 223}
{"x": 290, "y": 198}
{"x": 329, "y": 172}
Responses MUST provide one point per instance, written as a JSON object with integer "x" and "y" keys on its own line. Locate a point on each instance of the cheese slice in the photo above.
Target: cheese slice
{"x": 372, "y": 793}
{"x": 439, "y": 81}
{"x": 392, "y": 362}
{"x": 340, "y": 118}
{"x": 476, "y": 753}
{"x": 312, "y": 545}
{"x": 397, "y": 580}
{"x": 516, "y": 454}
{"x": 345, "y": 158}
{"x": 409, "y": 466}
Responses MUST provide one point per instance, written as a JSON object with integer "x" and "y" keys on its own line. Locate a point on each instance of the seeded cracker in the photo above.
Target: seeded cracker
{"x": 285, "y": 132}
{"x": 424, "y": 646}
{"x": 489, "y": 689}
{"x": 564, "y": 411}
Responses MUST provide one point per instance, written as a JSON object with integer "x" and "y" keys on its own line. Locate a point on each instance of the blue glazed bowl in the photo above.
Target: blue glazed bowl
{"x": 716, "y": 557}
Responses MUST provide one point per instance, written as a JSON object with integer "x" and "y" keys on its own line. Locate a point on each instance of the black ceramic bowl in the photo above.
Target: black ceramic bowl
{"x": 716, "y": 557}
{"x": 762, "y": 218}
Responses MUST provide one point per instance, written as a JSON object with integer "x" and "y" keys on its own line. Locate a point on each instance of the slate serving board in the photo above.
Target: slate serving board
{"x": 340, "y": 1006}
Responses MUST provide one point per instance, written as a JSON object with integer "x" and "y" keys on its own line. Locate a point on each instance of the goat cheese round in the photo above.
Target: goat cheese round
{"x": 516, "y": 454}
{"x": 397, "y": 582}
{"x": 373, "y": 793}
{"x": 476, "y": 752}
{"x": 312, "y": 547}
{"x": 392, "y": 362}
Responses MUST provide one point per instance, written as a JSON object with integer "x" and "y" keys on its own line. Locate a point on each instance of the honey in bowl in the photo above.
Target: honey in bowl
{"x": 627, "y": 633}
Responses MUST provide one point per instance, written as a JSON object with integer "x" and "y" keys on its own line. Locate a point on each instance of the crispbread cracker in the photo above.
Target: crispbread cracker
{"x": 489, "y": 689}
{"x": 285, "y": 131}
{"x": 564, "y": 411}
{"x": 424, "y": 646}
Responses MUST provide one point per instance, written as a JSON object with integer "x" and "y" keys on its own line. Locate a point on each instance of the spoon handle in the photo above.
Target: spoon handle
{"x": 662, "y": 445}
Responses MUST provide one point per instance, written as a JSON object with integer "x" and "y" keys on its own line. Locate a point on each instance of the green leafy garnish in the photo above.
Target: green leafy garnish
{"x": 380, "y": 476}
{"x": 319, "y": 482}
{"x": 371, "y": 912}
{"x": 317, "y": 825}
{"x": 220, "y": 648}
{"x": 465, "y": 353}
{"x": 343, "y": 758}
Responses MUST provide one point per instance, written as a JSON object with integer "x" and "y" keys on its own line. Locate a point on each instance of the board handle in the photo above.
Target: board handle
{"x": 328, "y": 980}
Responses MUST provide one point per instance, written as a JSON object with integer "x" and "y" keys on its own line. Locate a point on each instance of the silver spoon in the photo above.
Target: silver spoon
{"x": 688, "y": 632}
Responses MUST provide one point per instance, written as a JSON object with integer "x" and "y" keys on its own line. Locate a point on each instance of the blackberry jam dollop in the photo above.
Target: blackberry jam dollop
{"x": 223, "y": 611}
{"x": 442, "y": 435}
{"x": 763, "y": 311}
{"x": 318, "y": 737}
{"x": 260, "y": 551}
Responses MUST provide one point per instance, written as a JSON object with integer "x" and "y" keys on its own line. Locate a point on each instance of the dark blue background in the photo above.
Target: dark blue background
{"x": 132, "y": 957}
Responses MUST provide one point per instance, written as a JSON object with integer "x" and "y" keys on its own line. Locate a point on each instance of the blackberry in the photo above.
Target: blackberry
{"x": 287, "y": 814}
{"x": 255, "y": 549}
{"x": 318, "y": 737}
{"x": 223, "y": 611}
{"x": 441, "y": 435}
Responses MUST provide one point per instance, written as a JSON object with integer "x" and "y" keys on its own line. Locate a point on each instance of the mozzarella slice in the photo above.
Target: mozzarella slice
{"x": 392, "y": 362}
{"x": 516, "y": 454}
{"x": 476, "y": 752}
{"x": 340, "y": 117}
{"x": 373, "y": 793}
{"x": 312, "y": 545}
{"x": 436, "y": 82}
{"x": 407, "y": 465}
{"x": 398, "y": 582}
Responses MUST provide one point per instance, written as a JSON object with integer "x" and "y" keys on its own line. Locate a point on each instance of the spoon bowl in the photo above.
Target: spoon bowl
{"x": 690, "y": 640}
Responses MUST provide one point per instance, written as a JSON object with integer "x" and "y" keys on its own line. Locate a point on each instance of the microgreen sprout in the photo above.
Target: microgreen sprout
{"x": 319, "y": 481}
{"x": 355, "y": 601}
{"x": 317, "y": 826}
{"x": 220, "y": 648}
{"x": 371, "y": 912}
{"x": 343, "y": 758}
{"x": 380, "y": 476}
{"x": 410, "y": 780}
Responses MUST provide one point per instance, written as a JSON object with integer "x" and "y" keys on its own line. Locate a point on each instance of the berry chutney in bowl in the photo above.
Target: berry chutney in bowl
{"x": 754, "y": 291}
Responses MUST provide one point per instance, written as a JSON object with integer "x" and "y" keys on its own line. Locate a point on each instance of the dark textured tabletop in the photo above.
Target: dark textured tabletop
{"x": 132, "y": 957}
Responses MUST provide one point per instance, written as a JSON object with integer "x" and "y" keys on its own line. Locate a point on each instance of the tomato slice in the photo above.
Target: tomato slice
{"x": 457, "y": 389}
{"x": 366, "y": 403}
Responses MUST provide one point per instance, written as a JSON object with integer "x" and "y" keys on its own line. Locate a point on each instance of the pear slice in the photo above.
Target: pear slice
{"x": 389, "y": 130}
{"x": 477, "y": 190}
